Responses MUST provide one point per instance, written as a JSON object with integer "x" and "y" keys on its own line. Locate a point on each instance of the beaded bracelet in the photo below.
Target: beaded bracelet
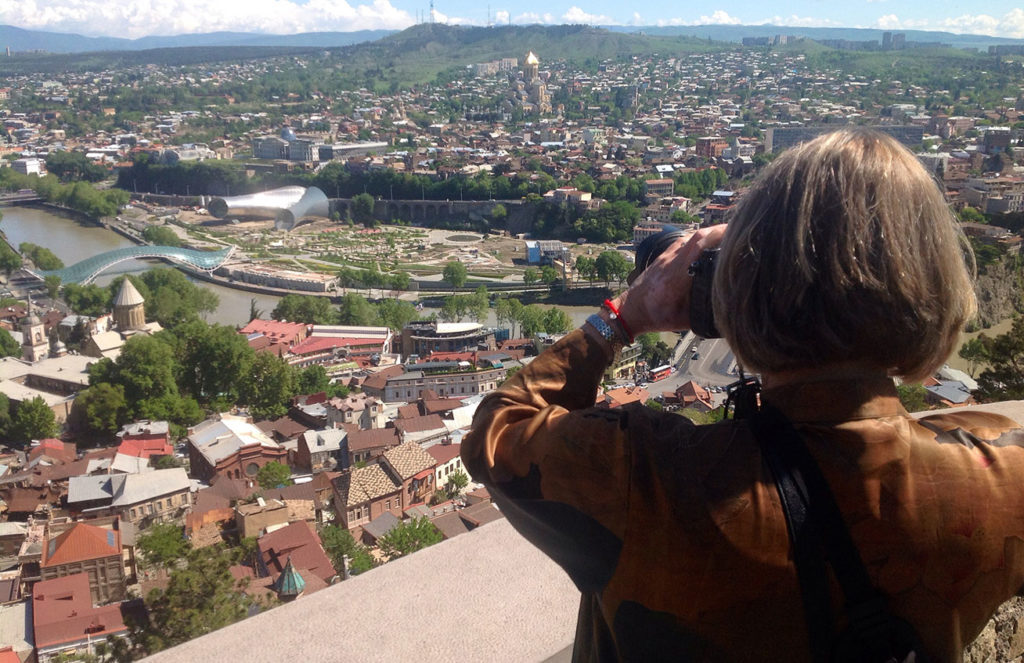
{"x": 617, "y": 317}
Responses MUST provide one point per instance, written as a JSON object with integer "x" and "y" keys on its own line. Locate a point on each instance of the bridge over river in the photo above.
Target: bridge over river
{"x": 87, "y": 270}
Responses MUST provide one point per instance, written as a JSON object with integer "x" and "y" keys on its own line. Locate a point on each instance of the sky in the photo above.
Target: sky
{"x": 140, "y": 18}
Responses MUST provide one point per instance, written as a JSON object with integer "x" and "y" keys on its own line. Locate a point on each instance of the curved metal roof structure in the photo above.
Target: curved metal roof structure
{"x": 286, "y": 205}
{"x": 85, "y": 271}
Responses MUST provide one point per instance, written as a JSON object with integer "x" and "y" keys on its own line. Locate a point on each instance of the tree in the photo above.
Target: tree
{"x": 973, "y": 351}
{"x": 5, "y": 416}
{"x": 161, "y": 236}
{"x": 171, "y": 298}
{"x": 8, "y": 346}
{"x": 457, "y": 482}
{"x": 912, "y": 396}
{"x": 499, "y": 213}
{"x": 52, "y": 282}
{"x": 506, "y": 311}
{"x": 163, "y": 544}
{"x": 308, "y": 309}
{"x": 548, "y": 275}
{"x": 274, "y": 475}
{"x": 102, "y": 409}
{"x": 362, "y": 208}
{"x": 255, "y": 312}
{"x": 269, "y": 386}
{"x": 530, "y": 276}
{"x": 213, "y": 361}
{"x": 91, "y": 299}
{"x": 453, "y": 308}
{"x": 1004, "y": 378}
{"x": 409, "y": 537}
{"x": 41, "y": 257}
{"x": 202, "y": 596}
{"x": 312, "y": 380}
{"x": 355, "y": 310}
{"x": 9, "y": 259}
{"x": 611, "y": 265}
{"x": 396, "y": 313}
{"x": 339, "y": 543}
{"x": 33, "y": 420}
{"x": 479, "y": 303}
{"x": 531, "y": 320}
{"x": 556, "y": 321}
{"x": 586, "y": 268}
{"x": 655, "y": 352}
{"x": 455, "y": 273}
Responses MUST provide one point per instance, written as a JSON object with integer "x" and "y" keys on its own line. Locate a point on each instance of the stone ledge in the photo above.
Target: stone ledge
{"x": 485, "y": 596}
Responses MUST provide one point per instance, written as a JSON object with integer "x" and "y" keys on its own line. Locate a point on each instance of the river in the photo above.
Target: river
{"x": 72, "y": 241}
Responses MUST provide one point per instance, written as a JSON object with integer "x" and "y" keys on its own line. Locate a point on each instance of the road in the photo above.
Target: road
{"x": 712, "y": 368}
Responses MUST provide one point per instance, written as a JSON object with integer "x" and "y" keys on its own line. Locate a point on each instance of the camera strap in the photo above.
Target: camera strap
{"x": 818, "y": 535}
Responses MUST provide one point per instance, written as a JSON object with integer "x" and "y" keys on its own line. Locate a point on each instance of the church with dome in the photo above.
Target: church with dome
{"x": 531, "y": 91}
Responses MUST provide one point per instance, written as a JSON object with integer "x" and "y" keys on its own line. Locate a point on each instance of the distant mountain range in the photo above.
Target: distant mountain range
{"x": 20, "y": 41}
{"x": 738, "y": 32}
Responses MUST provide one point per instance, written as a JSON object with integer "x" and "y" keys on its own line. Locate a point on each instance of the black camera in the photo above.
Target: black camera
{"x": 702, "y": 318}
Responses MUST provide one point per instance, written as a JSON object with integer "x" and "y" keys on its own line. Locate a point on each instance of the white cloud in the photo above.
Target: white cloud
{"x": 718, "y": 17}
{"x": 795, "y": 21}
{"x": 138, "y": 18}
{"x": 888, "y": 22}
{"x": 534, "y": 17}
{"x": 576, "y": 15}
{"x": 1009, "y": 25}
{"x": 501, "y": 17}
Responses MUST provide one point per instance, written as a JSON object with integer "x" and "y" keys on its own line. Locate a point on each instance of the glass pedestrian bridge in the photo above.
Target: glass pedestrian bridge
{"x": 87, "y": 270}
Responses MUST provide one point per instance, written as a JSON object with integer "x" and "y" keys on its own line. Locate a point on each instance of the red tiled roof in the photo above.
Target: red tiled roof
{"x": 372, "y": 439}
{"x": 62, "y": 612}
{"x": 442, "y": 453}
{"x": 64, "y": 452}
{"x": 419, "y": 424}
{"x": 145, "y": 448}
{"x": 80, "y": 543}
{"x": 275, "y": 329}
{"x": 322, "y": 343}
{"x": 299, "y": 542}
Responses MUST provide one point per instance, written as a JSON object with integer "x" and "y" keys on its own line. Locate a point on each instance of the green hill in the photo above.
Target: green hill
{"x": 420, "y": 52}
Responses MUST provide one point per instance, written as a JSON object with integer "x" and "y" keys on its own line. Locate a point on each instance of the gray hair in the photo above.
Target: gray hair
{"x": 844, "y": 250}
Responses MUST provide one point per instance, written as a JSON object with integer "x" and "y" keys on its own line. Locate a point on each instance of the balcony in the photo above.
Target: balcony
{"x": 483, "y": 596}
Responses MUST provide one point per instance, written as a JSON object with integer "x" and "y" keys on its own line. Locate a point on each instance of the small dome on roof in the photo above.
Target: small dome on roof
{"x": 288, "y": 134}
{"x": 531, "y": 58}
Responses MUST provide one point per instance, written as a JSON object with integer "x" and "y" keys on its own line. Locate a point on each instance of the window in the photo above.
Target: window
{"x": 387, "y": 505}
{"x": 132, "y": 513}
{"x": 252, "y": 469}
{"x": 159, "y": 505}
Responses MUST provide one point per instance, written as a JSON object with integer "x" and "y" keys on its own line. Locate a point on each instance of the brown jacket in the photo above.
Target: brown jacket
{"x": 675, "y": 535}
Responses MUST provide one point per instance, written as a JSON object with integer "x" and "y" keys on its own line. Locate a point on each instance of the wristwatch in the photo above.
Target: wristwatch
{"x": 604, "y": 330}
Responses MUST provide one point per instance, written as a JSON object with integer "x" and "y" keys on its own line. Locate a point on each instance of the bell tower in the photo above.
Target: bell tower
{"x": 34, "y": 344}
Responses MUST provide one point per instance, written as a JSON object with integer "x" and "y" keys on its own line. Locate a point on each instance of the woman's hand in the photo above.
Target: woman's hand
{"x": 659, "y": 299}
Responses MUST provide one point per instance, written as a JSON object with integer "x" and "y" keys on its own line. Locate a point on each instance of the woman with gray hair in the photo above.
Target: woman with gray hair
{"x": 841, "y": 268}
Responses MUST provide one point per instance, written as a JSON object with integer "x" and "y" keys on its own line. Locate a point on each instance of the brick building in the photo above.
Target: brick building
{"x": 231, "y": 446}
